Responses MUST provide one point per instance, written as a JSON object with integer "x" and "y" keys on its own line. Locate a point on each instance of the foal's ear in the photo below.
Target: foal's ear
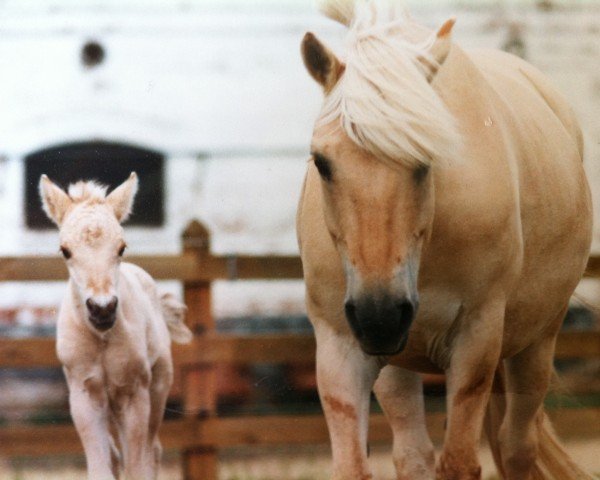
{"x": 439, "y": 50}
{"x": 121, "y": 198}
{"x": 320, "y": 62}
{"x": 55, "y": 201}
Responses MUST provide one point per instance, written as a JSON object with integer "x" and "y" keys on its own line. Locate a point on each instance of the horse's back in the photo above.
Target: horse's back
{"x": 553, "y": 194}
{"x": 144, "y": 310}
{"x": 497, "y": 66}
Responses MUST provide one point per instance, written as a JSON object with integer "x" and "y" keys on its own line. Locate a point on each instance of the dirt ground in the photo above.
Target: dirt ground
{"x": 278, "y": 463}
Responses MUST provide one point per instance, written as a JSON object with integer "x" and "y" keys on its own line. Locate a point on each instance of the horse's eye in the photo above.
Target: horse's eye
{"x": 122, "y": 251}
{"x": 66, "y": 252}
{"x": 323, "y": 166}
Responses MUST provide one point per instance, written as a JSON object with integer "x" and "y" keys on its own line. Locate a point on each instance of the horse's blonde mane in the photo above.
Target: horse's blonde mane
{"x": 87, "y": 191}
{"x": 384, "y": 99}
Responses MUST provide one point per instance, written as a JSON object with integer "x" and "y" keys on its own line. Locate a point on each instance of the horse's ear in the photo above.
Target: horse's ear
{"x": 439, "y": 50}
{"x": 55, "y": 201}
{"x": 320, "y": 62}
{"x": 121, "y": 198}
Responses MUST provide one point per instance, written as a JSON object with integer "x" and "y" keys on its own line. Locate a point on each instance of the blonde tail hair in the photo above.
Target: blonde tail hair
{"x": 552, "y": 462}
{"x": 174, "y": 313}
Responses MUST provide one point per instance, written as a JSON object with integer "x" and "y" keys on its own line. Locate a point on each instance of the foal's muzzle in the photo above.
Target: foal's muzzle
{"x": 381, "y": 323}
{"x": 102, "y": 316}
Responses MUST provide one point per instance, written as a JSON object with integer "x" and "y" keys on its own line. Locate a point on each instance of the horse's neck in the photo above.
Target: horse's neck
{"x": 459, "y": 79}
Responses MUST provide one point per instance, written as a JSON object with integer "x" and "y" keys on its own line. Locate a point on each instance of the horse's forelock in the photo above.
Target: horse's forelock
{"x": 85, "y": 191}
{"x": 383, "y": 100}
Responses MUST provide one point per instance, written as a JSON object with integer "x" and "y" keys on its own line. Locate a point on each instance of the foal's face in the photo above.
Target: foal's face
{"x": 378, "y": 218}
{"x": 91, "y": 240}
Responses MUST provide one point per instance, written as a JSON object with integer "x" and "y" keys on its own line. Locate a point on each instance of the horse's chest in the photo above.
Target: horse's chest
{"x": 431, "y": 337}
{"x": 124, "y": 376}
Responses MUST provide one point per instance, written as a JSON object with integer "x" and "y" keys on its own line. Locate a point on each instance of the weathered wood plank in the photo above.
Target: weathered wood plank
{"x": 246, "y": 350}
{"x": 227, "y": 432}
{"x": 185, "y": 267}
{"x": 593, "y": 267}
{"x": 578, "y": 344}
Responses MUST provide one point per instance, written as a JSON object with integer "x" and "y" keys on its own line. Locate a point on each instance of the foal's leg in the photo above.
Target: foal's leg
{"x": 134, "y": 424}
{"x": 475, "y": 356}
{"x": 527, "y": 378}
{"x": 89, "y": 410}
{"x": 345, "y": 376}
{"x": 400, "y": 394}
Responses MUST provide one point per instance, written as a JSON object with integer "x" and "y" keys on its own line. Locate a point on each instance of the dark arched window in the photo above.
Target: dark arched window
{"x": 108, "y": 163}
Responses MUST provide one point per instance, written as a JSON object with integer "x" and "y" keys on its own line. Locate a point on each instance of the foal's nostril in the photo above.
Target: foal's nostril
{"x": 112, "y": 305}
{"x": 97, "y": 310}
{"x": 92, "y": 306}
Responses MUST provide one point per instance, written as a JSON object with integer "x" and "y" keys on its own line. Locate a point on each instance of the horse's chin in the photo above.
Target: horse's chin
{"x": 102, "y": 324}
{"x": 388, "y": 352}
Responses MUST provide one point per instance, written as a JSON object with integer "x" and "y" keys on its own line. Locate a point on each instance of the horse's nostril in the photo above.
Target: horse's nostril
{"x": 350, "y": 309}
{"x": 112, "y": 305}
{"x": 92, "y": 306}
{"x": 97, "y": 310}
{"x": 406, "y": 310}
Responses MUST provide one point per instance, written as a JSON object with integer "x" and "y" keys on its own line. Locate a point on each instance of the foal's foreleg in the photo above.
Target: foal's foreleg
{"x": 134, "y": 424}
{"x": 474, "y": 358}
{"x": 400, "y": 394}
{"x": 89, "y": 411}
{"x": 345, "y": 378}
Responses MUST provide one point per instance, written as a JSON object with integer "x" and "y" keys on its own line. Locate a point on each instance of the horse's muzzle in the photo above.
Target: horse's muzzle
{"x": 381, "y": 324}
{"x": 102, "y": 317}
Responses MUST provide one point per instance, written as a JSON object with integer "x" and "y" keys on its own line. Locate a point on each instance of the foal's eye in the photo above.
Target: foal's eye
{"x": 66, "y": 252}
{"x": 122, "y": 251}
{"x": 323, "y": 166}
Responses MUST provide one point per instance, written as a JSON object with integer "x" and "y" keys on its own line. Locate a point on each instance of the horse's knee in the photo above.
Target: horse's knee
{"x": 414, "y": 463}
{"x": 458, "y": 466}
{"x": 518, "y": 451}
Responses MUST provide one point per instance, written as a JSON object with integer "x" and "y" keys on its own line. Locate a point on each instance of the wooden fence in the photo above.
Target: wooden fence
{"x": 201, "y": 433}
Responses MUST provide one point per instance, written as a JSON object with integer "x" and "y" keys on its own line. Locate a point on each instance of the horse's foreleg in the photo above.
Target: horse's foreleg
{"x": 400, "y": 394}
{"x": 135, "y": 416}
{"x": 527, "y": 378}
{"x": 474, "y": 358}
{"x": 345, "y": 378}
{"x": 89, "y": 411}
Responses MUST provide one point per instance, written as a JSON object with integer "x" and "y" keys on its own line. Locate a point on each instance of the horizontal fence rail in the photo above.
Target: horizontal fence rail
{"x": 248, "y": 349}
{"x": 186, "y": 267}
{"x": 226, "y": 432}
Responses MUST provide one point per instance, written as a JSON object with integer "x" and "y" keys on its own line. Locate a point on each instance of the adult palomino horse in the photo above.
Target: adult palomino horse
{"x": 113, "y": 333}
{"x": 444, "y": 223}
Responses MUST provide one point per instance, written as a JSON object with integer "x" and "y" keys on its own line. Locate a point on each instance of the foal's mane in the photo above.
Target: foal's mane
{"x": 87, "y": 191}
{"x": 384, "y": 100}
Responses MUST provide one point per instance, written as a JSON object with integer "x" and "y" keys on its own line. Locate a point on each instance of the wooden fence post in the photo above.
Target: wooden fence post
{"x": 199, "y": 381}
